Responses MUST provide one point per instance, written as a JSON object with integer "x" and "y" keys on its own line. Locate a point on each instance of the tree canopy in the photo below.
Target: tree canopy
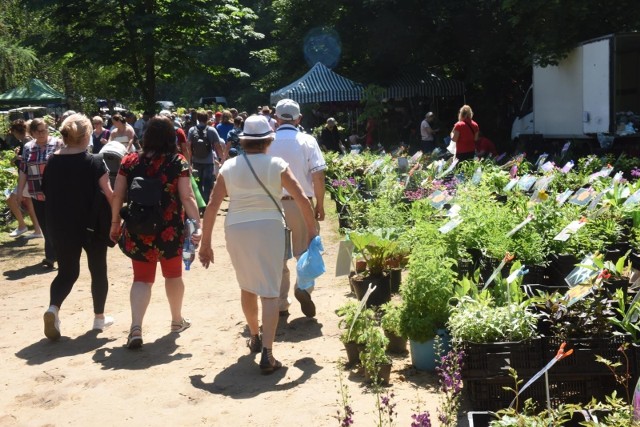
{"x": 143, "y": 50}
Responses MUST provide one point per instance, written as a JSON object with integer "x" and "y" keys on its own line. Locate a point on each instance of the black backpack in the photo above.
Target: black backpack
{"x": 200, "y": 144}
{"x": 143, "y": 213}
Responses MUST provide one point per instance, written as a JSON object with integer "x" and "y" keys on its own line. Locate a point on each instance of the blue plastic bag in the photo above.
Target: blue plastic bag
{"x": 310, "y": 265}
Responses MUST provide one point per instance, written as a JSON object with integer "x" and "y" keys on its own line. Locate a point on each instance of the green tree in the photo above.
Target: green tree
{"x": 142, "y": 42}
{"x": 16, "y": 60}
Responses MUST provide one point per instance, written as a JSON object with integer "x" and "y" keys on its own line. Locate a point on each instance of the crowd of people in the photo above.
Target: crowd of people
{"x": 271, "y": 172}
{"x": 269, "y": 169}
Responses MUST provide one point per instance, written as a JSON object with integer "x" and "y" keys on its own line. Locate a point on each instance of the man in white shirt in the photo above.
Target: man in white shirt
{"x": 302, "y": 153}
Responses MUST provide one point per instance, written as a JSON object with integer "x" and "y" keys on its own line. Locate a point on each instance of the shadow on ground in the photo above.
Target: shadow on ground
{"x": 242, "y": 380}
{"x": 160, "y": 352}
{"x": 46, "y": 350}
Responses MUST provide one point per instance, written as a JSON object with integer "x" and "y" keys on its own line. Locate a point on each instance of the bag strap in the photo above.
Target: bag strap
{"x": 262, "y": 185}
{"x": 473, "y": 133}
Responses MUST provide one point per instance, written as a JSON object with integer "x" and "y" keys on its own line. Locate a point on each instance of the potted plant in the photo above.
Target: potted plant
{"x": 390, "y": 323}
{"x": 374, "y": 359}
{"x": 375, "y": 247}
{"x": 354, "y": 321}
{"x": 425, "y": 309}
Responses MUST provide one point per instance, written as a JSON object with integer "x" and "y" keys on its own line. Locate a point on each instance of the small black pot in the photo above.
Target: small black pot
{"x": 381, "y": 295}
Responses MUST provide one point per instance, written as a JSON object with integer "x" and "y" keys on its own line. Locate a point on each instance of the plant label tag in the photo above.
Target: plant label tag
{"x": 569, "y": 230}
{"x": 453, "y": 223}
{"x": 582, "y": 197}
{"x": 477, "y": 176}
{"x": 518, "y": 227}
{"x": 547, "y": 167}
{"x": 602, "y": 173}
{"x": 595, "y": 201}
{"x": 526, "y": 182}
{"x": 565, "y": 148}
{"x": 617, "y": 177}
{"x": 438, "y": 198}
{"x": 541, "y": 159}
{"x": 447, "y": 171}
{"x": 415, "y": 158}
{"x": 633, "y": 199}
{"x": 500, "y": 157}
{"x": 543, "y": 183}
{"x": 578, "y": 292}
{"x": 519, "y": 272}
{"x": 374, "y": 166}
{"x": 454, "y": 211}
{"x": 403, "y": 164}
{"x": 345, "y": 258}
{"x": 582, "y": 273}
{"x": 567, "y": 167}
{"x": 563, "y": 197}
{"x": 513, "y": 172}
{"x": 512, "y": 183}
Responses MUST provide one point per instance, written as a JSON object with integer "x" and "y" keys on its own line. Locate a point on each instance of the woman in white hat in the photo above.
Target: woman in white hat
{"x": 254, "y": 228}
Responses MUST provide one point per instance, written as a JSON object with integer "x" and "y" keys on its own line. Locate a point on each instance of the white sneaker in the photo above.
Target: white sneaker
{"x": 99, "y": 324}
{"x": 34, "y": 235}
{"x": 51, "y": 324}
{"x": 18, "y": 232}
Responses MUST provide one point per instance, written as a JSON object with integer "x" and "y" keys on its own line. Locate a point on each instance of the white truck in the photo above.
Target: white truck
{"x": 594, "y": 93}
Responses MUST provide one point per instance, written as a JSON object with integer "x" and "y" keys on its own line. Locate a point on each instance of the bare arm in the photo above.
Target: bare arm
{"x": 209, "y": 219}
{"x": 119, "y": 194}
{"x": 318, "y": 191}
{"x": 455, "y": 135}
{"x": 22, "y": 181}
{"x": 105, "y": 186}
{"x": 188, "y": 200}
{"x": 293, "y": 187}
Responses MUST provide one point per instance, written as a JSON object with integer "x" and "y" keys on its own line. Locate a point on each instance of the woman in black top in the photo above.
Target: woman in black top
{"x": 70, "y": 182}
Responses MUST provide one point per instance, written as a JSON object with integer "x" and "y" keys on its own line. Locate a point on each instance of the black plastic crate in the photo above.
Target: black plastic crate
{"x": 580, "y": 388}
{"x": 495, "y": 359}
{"x": 489, "y": 394}
{"x": 584, "y": 354}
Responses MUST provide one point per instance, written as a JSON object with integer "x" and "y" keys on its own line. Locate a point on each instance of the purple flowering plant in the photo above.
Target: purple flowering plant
{"x": 450, "y": 379}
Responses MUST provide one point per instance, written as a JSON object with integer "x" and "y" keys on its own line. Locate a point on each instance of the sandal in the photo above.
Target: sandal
{"x": 268, "y": 364}
{"x": 134, "y": 340}
{"x": 180, "y": 326}
{"x": 255, "y": 343}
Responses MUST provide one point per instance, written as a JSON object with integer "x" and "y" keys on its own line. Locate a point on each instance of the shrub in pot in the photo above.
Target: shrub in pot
{"x": 390, "y": 323}
{"x": 425, "y": 295}
{"x": 374, "y": 359}
{"x": 374, "y": 247}
{"x": 353, "y": 322}
{"x": 495, "y": 337}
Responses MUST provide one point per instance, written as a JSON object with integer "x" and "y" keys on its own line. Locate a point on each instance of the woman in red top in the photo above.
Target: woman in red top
{"x": 465, "y": 134}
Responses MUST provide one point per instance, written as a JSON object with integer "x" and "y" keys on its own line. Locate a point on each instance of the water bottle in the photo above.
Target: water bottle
{"x": 188, "y": 248}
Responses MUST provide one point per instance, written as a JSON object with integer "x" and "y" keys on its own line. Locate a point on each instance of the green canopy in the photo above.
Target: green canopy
{"x": 36, "y": 91}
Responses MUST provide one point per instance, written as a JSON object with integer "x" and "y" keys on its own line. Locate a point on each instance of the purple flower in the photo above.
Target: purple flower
{"x": 421, "y": 420}
{"x": 347, "y": 420}
{"x": 635, "y": 172}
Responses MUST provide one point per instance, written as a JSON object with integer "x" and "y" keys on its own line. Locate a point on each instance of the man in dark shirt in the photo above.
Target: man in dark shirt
{"x": 330, "y": 137}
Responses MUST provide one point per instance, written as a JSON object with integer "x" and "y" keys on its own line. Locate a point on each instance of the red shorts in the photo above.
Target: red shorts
{"x": 145, "y": 272}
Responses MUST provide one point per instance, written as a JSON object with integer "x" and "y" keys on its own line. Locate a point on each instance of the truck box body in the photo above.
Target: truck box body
{"x": 591, "y": 91}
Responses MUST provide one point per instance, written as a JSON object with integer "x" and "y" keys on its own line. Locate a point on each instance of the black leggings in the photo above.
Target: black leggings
{"x": 69, "y": 250}
{"x": 49, "y": 249}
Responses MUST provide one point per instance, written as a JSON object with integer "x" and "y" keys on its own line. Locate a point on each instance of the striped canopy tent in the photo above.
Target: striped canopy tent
{"x": 319, "y": 84}
{"x": 418, "y": 84}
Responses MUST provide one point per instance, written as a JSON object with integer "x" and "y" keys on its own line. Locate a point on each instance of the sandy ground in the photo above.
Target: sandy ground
{"x": 204, "y": 376}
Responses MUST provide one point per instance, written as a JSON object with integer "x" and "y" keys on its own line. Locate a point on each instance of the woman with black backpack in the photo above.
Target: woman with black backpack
{"x": 148, "y": 240}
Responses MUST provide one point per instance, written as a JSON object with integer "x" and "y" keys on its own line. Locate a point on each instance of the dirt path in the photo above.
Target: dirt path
{"x": 205, "y": 376}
